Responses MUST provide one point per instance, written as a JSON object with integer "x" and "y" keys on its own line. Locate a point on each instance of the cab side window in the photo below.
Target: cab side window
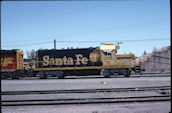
{"x": 108, "y": 53}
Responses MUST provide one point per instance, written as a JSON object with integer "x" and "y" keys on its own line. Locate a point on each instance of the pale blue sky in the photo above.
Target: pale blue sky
{"x": 33, "y": 25}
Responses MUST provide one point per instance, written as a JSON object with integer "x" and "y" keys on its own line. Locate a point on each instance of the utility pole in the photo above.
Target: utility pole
{"x": 54, "y": 43}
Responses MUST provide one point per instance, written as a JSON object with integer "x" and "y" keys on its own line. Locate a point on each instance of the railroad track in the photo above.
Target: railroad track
{"x": 158, "y": 73}
{"x": 152, "y": 75}
{"x": 99, "y": 76}
{"x": 118, "y": 76}
{"x": 134, "y": 89}
{"x": 84, "y": 101}
{"x": 162, "y": 95}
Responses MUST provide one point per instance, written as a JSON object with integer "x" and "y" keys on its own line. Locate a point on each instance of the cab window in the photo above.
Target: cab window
{"x": 108, "y": 53}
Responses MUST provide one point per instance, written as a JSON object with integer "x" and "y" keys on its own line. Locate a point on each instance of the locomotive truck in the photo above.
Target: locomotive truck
{"x": 59, "y": 63}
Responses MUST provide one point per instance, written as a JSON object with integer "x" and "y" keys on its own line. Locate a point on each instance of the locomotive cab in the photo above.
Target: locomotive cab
{"x": 114, "y": 63}
{"x": 108, "y": 53}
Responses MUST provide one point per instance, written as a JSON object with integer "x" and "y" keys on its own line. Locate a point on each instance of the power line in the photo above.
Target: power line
{"x": 112, "y": 41}
{"x": 28, "y": 44}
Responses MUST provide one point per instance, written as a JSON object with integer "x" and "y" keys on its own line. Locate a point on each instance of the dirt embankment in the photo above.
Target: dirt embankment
{"x": 157, "y": 61}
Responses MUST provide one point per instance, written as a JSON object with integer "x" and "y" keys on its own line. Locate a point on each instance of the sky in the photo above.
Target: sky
{"x": 140, "y": 25}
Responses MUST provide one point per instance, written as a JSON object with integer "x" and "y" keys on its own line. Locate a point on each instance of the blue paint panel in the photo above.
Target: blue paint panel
{"x": 68, "y": 53}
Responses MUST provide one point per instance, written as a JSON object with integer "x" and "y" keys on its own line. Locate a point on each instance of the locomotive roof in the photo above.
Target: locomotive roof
{"x": 90, "y": 48}
{"x": 8, "y": 52}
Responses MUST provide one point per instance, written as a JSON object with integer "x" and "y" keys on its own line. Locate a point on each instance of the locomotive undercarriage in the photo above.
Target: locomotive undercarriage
{"x": 8, "y": 75}
{"x": 105, "y": 72}
{"x": 12, "y": 75}
{"x": 61, "y": 74}
{"x": 109, "y": 72}
{"x": 45, "y": 74}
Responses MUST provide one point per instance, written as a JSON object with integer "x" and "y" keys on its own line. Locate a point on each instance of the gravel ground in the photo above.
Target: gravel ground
{"x": 59, "y": 84}
{"x": 86, "y": 83}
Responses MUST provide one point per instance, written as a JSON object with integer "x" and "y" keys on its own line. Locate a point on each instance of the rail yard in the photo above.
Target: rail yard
{"x": 112, "y": 56}
{"x": 91, "y": 80}
{"x": 148, "y": 92}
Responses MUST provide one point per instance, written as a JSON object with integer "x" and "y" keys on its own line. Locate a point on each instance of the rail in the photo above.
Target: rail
{"x": 134, "y": 89}
{"x": 163, "y": 95}
{"x": 85, "y": 100}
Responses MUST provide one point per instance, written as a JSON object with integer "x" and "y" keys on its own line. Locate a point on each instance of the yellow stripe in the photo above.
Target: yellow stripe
{"x": 80, "y": 68}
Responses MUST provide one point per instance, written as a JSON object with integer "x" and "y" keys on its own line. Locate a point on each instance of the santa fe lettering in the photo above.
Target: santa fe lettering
{"x": 64, "y": 61}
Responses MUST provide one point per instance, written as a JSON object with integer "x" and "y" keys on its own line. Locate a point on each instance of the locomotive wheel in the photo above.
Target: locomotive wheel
{"x": 3, "y": 76}
{"x": 105, "y": 73}
{"x": 60, "y": 75}
{"x": 14, "y": 76}
{"x": 43, "y": 75}
{"x": 34, "y": 74}
{"x": 127, "y": 72}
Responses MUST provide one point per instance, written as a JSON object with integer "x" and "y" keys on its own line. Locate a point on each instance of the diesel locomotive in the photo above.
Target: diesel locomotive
{"x": 59, "y": 63}
{"x": 11, "y": 63}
